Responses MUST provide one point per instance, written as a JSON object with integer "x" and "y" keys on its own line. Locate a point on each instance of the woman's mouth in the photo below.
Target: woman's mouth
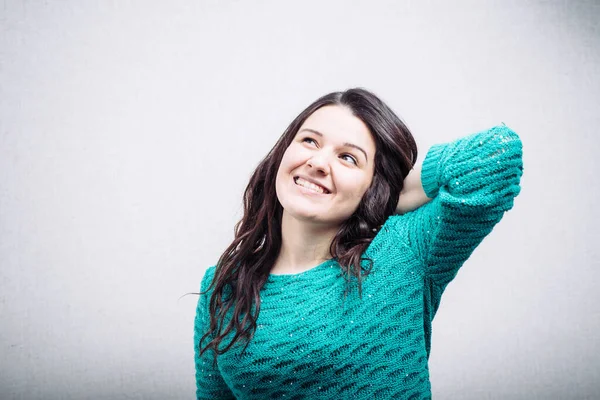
{"x": 310, "y": 186}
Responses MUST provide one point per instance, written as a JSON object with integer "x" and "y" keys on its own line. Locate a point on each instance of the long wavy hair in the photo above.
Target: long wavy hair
{"x": 244, "y": 267}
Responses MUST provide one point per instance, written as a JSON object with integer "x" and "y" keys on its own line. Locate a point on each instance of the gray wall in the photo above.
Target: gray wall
{"x": 128, "y": 131}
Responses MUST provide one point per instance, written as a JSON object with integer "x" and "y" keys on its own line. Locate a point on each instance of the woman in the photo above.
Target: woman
{"x": 338, "y": 265}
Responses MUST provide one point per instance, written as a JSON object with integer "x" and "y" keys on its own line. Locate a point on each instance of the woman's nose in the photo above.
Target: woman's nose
{"x": 320, "y": 163}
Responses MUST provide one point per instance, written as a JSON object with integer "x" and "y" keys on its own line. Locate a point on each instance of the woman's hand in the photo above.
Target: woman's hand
{"x": 412, "y": 196}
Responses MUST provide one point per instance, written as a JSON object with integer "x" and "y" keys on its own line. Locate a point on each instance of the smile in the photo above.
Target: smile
{"x": 310, "y": 186}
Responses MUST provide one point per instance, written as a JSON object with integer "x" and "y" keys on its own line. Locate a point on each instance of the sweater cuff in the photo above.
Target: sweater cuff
{"x": 430, "y": 178}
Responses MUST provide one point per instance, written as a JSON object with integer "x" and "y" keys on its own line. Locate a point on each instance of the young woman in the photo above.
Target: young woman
{"x": 338, "y": 265}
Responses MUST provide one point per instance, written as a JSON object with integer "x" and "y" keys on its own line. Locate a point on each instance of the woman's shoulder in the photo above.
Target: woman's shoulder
{"x": 389, "y": 235}
{"x": 397, "y": 226}
{"x": 399, "y": 232}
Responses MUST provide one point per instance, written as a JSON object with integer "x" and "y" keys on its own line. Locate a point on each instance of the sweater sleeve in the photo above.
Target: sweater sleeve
{"x": 473, "y": 181}
{"x": 209, "y": 382}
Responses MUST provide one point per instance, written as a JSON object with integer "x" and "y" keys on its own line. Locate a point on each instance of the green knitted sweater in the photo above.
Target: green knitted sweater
{"x": 311, "y": 344}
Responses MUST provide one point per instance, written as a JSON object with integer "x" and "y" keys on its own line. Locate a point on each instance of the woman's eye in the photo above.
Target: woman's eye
{"x": 350, "y": 158}
{"x": 308, "y": 139}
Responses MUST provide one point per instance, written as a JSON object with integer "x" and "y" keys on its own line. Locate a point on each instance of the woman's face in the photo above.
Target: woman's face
{"x": 327, "y": 168}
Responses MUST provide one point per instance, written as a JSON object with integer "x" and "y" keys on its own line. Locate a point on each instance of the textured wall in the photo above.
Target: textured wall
{"x": 128, "y": 131}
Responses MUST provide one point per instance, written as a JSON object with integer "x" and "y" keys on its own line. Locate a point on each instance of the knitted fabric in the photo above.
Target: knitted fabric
{"x": 311, "y": 344}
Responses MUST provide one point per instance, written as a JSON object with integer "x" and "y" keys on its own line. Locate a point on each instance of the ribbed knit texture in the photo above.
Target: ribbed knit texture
{"x": 310, "y": 344}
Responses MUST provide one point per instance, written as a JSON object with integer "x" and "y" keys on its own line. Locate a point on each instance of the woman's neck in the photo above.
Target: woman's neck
{"x": 303, "y": 245}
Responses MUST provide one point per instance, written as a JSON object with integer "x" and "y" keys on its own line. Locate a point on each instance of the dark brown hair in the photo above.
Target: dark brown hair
{"x": 244, "y": 267}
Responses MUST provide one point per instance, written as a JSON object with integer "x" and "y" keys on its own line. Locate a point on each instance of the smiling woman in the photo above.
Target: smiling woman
{"x": 326, "y": 292}
{"x": 329, "y": 157}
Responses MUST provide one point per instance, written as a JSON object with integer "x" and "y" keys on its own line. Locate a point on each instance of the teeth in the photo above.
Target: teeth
{"x": 309, "y": 185}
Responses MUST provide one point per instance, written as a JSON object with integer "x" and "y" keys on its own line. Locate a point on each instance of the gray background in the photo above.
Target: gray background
{"x": 128, "y": 131}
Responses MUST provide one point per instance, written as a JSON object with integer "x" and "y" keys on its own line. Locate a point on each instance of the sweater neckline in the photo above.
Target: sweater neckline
{"x": 302, "y": 275}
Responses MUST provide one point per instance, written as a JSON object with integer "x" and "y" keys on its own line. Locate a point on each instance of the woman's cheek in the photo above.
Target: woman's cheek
{"x": 295, "y": 156}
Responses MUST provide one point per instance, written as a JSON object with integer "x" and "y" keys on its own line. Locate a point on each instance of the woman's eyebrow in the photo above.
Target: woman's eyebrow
{"x": 345, "y": 144}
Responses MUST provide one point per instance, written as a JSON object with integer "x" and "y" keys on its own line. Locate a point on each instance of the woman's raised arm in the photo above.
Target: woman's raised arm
{"x": 472, "y": 181}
